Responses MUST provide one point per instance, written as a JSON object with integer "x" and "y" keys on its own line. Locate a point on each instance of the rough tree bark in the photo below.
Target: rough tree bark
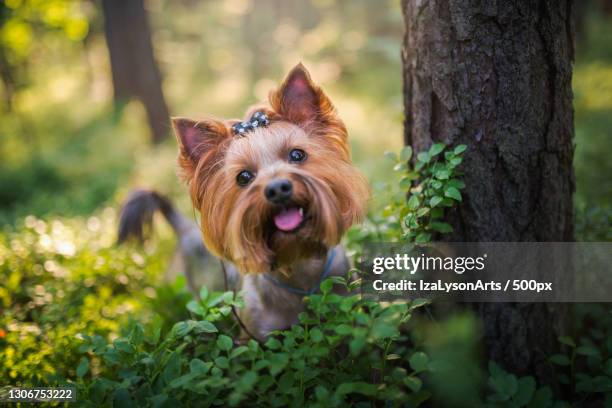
{"x": 496, "y": 76}
{"x": 133, "y": 65}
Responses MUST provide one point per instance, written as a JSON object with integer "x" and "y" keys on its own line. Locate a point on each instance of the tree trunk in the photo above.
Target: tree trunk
{"x": 496, "y": 76}
{"x": 134, "y": 69}
{"x": 8, "y": 82}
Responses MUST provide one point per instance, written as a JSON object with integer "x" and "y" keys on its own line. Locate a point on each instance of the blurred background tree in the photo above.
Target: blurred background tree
{"x": 133, "y": 65}
{"x": 22, "y": 22}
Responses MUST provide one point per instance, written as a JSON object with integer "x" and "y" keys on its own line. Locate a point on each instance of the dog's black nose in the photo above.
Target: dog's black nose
{"x": 278, "y": 191}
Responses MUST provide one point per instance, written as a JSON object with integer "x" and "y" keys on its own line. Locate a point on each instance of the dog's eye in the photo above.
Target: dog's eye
{"x": 244, "y": 177}
{"x": 297, "y": 156}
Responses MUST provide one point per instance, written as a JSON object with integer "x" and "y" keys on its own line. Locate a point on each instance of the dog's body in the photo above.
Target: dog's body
{"x": 275, "y": 195}
{"x": 267, "y": 306}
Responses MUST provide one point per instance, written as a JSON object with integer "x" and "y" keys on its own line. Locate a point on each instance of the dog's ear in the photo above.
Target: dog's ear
{"x": 300, "y": 100}
{"x": 198, "y": 142}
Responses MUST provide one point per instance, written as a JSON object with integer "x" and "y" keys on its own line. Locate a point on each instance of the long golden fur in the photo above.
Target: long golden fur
{"x": 236, "y": 222}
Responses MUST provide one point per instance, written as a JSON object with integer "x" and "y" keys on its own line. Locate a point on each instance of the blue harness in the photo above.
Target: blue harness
{"x": 302, "y": 292}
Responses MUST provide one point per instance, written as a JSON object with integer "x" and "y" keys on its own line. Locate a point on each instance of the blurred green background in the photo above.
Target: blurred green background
{"x": 66, "y": 151}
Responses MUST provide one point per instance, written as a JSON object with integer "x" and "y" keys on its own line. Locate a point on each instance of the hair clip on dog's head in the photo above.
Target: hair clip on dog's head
{"x": 259, "y": 119}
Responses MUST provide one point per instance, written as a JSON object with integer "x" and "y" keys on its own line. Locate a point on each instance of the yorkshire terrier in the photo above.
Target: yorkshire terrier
{"x": 275, "y": 193}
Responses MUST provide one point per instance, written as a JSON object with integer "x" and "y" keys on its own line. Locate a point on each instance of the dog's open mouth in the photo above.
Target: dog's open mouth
{"x": 289, "y": 219}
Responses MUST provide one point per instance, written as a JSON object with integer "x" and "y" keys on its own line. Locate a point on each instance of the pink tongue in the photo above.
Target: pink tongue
{"x": 289, "y": 219}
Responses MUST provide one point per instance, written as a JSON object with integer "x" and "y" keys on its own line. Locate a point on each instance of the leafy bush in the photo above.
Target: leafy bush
{"x": 76, "y": 309}
{"x": 346, "y": 350}
{"x": 80, "y": 310}
{"x": 509, "y": 391}
{"x": 60, "y": 279}
{"x": 584, "y": 368}
{"x": 415, "y": 199}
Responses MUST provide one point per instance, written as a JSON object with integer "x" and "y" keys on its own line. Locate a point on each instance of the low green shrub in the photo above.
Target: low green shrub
{"x": 346, "y": 350}
{"x": 76, "y": 309}
{"x": 62, "y": 278}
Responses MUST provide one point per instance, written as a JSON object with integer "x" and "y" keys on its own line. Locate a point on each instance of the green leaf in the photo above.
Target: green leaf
{"x": 423, "y": 157}
{"x": 273, "y": 343}
{"x": 203, "y": 293}
{"x": 460, "y": 149}
{"x": 222, "y": 362}
{"x": 326, "y": 286}
{"x": 406, "y": 153}
{"x": 246, "y": 382}
{"x": 560, "y": 359}
{"x": 423, "y": 237}
{"x": 321, "y": 393}
{"x": 441, "y": 227}
{"x": 416, "y": 303}
{"x": 419, "y": 166}
{"x": 224, "y": 342}
{"x": 422, "y": 211}
{"x": 506, "y": 385}
{"x": 122, "y": 399}
{"x": 587, "y": 351}
{"x": 453, "y": 193}
{"x": 455, "y": 161}
{"x": 436, "y": 184}
{"x": 153, "y": 332}
{"x": 261, "y": 364}
{"x": 137, "y": 335}
{"x": 83, "y": 367}
{"x": 542, "y": 398}
{"x": 391, "y": 155}
{"x": 435, "y": 200}
{"x": 458, "y": 184}
{"x": 159, "y": 400}
{"x": 204, "y": 326}
{"x": 196, "y": 308}
{"x": 316, "y": 335}
{"x": 405, "y": 183}
{"x": 414, "y": 383}
{"x": 181, "y": 329}
{"x": 347, "y": 303}
{"x": 343, "y": 329}
{"x": 238, "y": 351}
{"x": 181, "y": 381}
{"x": 383, "y": 329}
{"x": 413, "y": 202}
{"x": 217, "y": 298}
{"x": 199, "y": 367}
{"x": 442, "y": 174}
{"x": 568, "y": 341}
{"x": 278, "y": 361}
{"x": 356, "y": 387}
{"x": 436, "y": 149}
{"x": 526, "y": 389}
{"x": 418, "y": 361}
{"x": 356, "y": 345}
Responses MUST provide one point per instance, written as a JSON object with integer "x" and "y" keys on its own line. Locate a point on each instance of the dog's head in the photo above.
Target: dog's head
{"x": 278, "y": 193}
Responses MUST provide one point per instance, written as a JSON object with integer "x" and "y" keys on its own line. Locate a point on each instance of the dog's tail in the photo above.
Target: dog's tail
{"x": 136, "y": 219}
{"x": 191, "y": 257}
